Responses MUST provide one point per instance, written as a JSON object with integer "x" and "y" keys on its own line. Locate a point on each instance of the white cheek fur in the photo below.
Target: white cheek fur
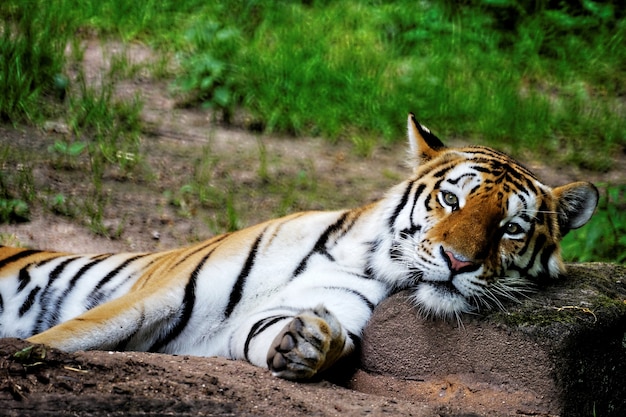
{"x": 432, "y": 303}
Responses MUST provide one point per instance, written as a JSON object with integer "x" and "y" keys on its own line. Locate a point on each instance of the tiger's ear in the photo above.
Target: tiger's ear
{"x": 423, "y": 145}
{"x": 576, "y": 204}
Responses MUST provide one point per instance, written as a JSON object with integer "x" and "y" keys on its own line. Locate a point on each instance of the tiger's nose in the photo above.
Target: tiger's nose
{"x": 455, "y": 264}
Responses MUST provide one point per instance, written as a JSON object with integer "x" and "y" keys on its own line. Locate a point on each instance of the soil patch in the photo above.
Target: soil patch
{"x": 53, "y": 383}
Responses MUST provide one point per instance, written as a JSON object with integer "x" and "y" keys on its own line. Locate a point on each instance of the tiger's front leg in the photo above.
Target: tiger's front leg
{"x": 308, "y": 344}
{"x": 309, "y": 325}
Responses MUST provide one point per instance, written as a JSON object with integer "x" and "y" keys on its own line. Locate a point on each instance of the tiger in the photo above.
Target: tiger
{"x": 469, "y": 228}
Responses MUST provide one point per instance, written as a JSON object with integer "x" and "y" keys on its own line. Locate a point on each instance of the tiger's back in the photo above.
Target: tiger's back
{"x": 469, "y": 227}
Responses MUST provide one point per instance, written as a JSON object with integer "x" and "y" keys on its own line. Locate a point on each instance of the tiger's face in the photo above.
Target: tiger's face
{"x": 473, "y": 226}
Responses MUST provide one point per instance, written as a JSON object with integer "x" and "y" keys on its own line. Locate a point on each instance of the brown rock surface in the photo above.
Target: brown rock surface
{"x": 561, "y": 352}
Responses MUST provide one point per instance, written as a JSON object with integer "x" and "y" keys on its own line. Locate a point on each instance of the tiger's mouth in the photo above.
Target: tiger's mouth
{"x": 445, "y": 288}
{"x": 440, "y": 299}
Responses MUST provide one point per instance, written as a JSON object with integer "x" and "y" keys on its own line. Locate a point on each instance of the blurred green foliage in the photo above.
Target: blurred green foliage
{"x": 604, "y": 237}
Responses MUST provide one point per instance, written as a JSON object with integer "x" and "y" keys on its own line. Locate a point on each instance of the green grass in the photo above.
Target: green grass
{"x": 35, "y": 86}
{"x": 17, "y": 186}
{"x": 516, "y": 74}
{"x": 550, "y": 84}
{"x": 604, "y": 238}
{"x": 32, "y": 41}
{"x": 509, "y": 72}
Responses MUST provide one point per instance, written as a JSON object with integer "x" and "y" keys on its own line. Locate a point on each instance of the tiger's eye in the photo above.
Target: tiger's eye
{"x": 513, "y": 228}
{"x": 450, "y": 199}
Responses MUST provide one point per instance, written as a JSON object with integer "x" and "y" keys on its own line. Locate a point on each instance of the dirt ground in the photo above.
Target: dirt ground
{"x": 106, "y": 383}
{"x": 143, "y": 384}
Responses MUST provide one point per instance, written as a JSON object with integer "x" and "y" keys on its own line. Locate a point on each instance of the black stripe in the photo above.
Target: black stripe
{"x": 187, "y": 304}
{"x": 520, "y": 188}
{"x": 546, "y": 255}
{"x": 320, "y": 245}
{"x": 53, "y": 313}
{"x": 539, "y": 242}
{"x": 365, "y": 300}
{"x": 23, "y": 277}
{"x": 46, "y": 261}
{"x": 405, "y": 197}
{"x": 531, "y": 231}
{"x": 96, "y": 296}
{"x": 487, "y": 152}
{"x": 86, "y": 268}
{"x": 237, "y": 291}
{"x": 258, "y": 328}
{"x": 417, "y": 195}
{"x": 44, "y": 298}
{"x": 510, "y": 171}
{"x": 364, "y": 275}
{"x": 456, "y": 181}
{"x": 522, "y": 177}
{"x": 532, "y": 187}
{"x": 58, "y": 270}
{"x": 482, "y": 169}
{"x": 443, "y": 171}
{"x": 116, "y": 271}
{"x": 355, "y": 339}
{"x": 30, "y": 300}
{"x": 17, "y": 256}
{"x": 544, "y": 215}
{"x": 437, "y": 185}
{"x": 427, "y": 202}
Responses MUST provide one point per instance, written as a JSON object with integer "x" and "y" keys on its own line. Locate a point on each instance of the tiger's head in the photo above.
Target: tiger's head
{"x": 473, "y": 226}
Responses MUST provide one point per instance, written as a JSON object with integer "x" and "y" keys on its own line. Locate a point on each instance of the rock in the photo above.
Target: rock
{"x": 56, "y": 127}
{"x": 562, "y": 351}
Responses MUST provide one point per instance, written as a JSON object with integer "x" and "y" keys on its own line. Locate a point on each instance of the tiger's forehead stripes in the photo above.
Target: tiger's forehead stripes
{"x": 508, "y": 177}
{"x": 516, "y": 175}
{"x": 493, "y": 155}
{"x": 456, "y": 180}
{"x": 503, "y": 175}
{"x": 483, "y": 160}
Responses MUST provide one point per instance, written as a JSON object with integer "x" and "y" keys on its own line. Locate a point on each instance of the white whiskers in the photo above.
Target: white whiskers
{"x": 504, "y": 288}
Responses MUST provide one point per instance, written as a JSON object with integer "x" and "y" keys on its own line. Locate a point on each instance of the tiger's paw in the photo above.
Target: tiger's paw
{"x": 309, "y": 343}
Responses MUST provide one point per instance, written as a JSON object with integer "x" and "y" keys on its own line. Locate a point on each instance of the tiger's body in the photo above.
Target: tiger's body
{"x": 293, "y": 294}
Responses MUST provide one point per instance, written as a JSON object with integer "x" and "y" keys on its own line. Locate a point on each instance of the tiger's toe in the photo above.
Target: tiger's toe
{"x": 309, "y": 343}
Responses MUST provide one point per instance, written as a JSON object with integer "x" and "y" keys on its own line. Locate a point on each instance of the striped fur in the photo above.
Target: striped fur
{"x": 468, "y": 228}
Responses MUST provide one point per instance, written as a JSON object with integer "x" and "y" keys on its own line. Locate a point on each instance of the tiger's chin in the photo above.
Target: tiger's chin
{"x": 440, "y": 300}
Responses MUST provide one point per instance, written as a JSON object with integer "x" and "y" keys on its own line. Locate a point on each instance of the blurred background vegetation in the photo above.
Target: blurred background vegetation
{"x": 546, "y": 76}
